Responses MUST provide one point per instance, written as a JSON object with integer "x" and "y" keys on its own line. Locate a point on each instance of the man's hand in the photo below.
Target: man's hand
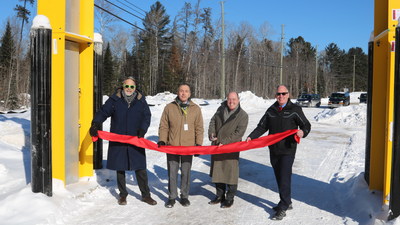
{"x": 300, "y": 133}
{"x": 141, "y": 133}
{"x": 160, "y": 143}
{"x": 248, "y": 139}
{"x": 213, "y": 138}
{"x": 93, "y": 130}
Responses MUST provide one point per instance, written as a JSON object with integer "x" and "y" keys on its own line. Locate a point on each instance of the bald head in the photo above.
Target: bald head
{"x": 282, "y": 94}
{"x": 232, "y": 100}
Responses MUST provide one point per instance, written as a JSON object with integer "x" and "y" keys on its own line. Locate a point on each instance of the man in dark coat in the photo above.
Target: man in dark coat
{"x": 226, "y": 126}
{"x": 130, "y": 115}
{"x": 281, "y": 116}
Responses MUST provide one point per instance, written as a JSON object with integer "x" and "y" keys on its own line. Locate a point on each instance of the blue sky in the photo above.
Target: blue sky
{"x": 348, "y": 23}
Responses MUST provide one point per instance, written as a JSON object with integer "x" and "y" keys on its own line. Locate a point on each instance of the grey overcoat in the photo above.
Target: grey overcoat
{"x": 225, "y": 167}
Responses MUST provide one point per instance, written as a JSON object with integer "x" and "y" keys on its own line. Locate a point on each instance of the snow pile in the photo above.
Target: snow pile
{"x": 41, "y": 21}
{"x": 349, "y": 115}
{"x": 350, "y": 183}
{"x": 249, "y": 101}
{"x": 160, "y": 98}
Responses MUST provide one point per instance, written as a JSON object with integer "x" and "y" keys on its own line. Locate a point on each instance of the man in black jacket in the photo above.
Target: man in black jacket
{"x": 281, "y": 116}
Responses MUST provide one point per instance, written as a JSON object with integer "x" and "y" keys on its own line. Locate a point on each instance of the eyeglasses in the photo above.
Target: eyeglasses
{"x": 130, "y": 86}
{"x": 283, "y": 93}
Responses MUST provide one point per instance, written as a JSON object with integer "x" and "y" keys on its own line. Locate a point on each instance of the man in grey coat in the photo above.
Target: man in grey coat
{"x": 228, "y": 125}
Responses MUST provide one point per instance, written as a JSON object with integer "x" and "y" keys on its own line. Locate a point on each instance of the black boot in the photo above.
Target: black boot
{"x": 227, "y": 203}
{"x": 170, "y": 203}
{"x": 216, "y": 200}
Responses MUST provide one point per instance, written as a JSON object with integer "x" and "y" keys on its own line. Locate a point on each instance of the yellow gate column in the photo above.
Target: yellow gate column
{"x": 73, "y": 31}
{"x": 86, "y": 88}
{"x": 382, "y": 96}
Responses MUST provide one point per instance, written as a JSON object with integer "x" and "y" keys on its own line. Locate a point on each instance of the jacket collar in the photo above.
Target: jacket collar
{"x": 118, "y": 94}
{"x": 178, "y": 102}
{"x": 288, "y": 105}
{"x": 224, "y": 106}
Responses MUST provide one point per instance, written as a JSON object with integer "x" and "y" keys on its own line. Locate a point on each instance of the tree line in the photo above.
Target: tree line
{"x": 188, "y": 49}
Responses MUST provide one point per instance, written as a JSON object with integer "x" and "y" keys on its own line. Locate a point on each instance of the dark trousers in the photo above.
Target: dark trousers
{"x": 282, "y": 165}
{"x": 221, "y": 189}
{"x": 142, "y": 180}
{"x": 174, "y": 162}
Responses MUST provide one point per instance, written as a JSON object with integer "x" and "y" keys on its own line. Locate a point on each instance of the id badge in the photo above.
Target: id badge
{"x": 185, "y": 126}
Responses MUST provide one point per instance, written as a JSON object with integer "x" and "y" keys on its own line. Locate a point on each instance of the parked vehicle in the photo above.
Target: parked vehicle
{"x": 338, "y": 99}
{"x": 363, "y": 97}
{"x": 309, "y": 100}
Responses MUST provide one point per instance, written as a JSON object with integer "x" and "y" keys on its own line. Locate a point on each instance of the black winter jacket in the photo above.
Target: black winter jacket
{"x": 291, "y": 117}
{"x": 127, "y": 120}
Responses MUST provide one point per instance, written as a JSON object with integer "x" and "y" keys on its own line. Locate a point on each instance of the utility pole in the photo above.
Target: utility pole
{"x": 354, "y": 72}
{"x": 222, "y": 53}
{"x": 282, "y": 37}
{"x": 316, "y": 69}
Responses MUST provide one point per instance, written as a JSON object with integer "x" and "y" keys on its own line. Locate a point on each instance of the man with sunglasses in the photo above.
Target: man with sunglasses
{"x": 281, "y": 116}
{"x": 130, "y": 115}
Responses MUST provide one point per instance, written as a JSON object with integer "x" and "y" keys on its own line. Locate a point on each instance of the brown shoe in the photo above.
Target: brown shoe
{"x": 122, "y": 201}
{"x": 149, "y": 200}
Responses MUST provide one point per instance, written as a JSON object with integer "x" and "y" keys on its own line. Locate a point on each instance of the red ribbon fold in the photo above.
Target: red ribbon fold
{"x": 201, "y": 150}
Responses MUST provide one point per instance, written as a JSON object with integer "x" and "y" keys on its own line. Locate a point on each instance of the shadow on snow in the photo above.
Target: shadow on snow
{"x": 26, "y": 149}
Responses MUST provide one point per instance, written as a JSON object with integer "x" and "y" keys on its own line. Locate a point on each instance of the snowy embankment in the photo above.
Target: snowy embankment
{"x": 327, "y": 188}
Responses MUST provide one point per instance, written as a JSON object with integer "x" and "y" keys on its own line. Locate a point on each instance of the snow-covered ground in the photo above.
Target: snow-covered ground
{"x": 328, "y": 185}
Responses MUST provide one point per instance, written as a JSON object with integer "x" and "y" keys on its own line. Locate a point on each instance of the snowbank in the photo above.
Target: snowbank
{"x": 346, "y": 115}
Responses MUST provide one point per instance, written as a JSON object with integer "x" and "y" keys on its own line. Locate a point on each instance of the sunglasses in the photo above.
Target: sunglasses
{"x": 130, "y": 86}
{"x": 283, "y": 93}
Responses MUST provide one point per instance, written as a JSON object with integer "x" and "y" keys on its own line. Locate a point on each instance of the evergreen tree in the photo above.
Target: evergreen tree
{"x": 7, "y": 53}
{"x": 208, "y": 34}
{"x": 23, "y": 13}
{"x": 108, "y": 65}
{"x": 300, "y": 46}
{"x": 301, "y": 56}
{"x": 7, "y": 48}
{"x": 334, "y": 58}
{"x": 155, "y": 44}
{"x": 13, "y": 101}
{"x": 334, "y": 68}
{"x": 358, "y": 60}
{"x": 174, "y": 70}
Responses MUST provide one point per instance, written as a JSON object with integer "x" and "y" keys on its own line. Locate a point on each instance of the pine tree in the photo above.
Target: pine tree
{"x": 302, "y": 56}
{"x": 355, "y": 57}
{"x": 155, "y": 45}
{"x": 108, "y": 65}
{"x": 23, "y": 13}
{"x": 21, "y": 77}
{"x": 7, "y": 52}
{"x": 7, "y": 49}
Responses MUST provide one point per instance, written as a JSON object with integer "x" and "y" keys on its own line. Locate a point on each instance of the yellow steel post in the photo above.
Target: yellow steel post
{"x": 382, "y": 96}
{"x": 86, "y": 88}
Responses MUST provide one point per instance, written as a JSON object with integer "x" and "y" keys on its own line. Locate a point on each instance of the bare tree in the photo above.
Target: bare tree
{"x": 105, "y": 22}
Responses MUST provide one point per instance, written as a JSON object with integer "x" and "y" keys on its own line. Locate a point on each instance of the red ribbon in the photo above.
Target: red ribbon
{"x": 201, "y": 150}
